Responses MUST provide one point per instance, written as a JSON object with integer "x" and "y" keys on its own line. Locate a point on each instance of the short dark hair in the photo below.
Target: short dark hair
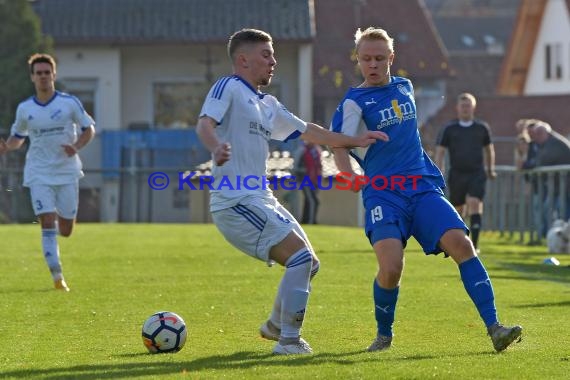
{"x": 41, "y": 58}
{"x": 244, "y": 37}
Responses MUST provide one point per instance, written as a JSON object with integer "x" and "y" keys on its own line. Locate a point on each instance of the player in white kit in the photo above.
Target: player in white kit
{"x": 51, "y": 120}
{"x": 236, "y": 123}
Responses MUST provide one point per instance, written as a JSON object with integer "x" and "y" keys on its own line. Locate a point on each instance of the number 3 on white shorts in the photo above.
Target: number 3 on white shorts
{"x": 376, "y": 214}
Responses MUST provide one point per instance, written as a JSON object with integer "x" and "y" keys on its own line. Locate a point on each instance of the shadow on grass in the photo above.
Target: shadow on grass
{"x": 546, "y": 304}
{"x": 528, "y": 272}
{"x": 541, "y": 272}
{"x": 239, "y": 360}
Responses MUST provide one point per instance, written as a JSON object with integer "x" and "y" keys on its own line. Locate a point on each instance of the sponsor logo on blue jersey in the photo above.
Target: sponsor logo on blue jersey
{"x": 396, "y": 113}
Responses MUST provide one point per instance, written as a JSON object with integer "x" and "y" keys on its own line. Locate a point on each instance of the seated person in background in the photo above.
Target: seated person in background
{"x": 551, "y": 149}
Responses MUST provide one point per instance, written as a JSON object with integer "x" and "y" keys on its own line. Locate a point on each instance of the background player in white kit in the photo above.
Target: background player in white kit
{"x": 50, "y": 119}
{"x": 236, "y": 123}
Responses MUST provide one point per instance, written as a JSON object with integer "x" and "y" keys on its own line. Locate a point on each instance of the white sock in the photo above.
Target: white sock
{"x": 275, "y": 316}
{"x": 294, "y": 289}
{"x": 51, "y": 252}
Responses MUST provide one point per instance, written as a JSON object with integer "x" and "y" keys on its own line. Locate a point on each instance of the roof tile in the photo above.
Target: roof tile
{"x": 151, "y": 21}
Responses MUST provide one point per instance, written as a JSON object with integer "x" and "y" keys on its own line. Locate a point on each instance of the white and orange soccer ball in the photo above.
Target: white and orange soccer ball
{"x": 164, "y": 331}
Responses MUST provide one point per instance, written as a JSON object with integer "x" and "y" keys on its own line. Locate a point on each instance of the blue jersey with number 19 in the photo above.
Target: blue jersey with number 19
{"x": 395, "y": 212}
{"x": 391, "y": 109}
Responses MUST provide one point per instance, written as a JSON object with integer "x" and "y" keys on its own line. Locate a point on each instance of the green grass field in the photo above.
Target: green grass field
{"x": 120, "y": 274}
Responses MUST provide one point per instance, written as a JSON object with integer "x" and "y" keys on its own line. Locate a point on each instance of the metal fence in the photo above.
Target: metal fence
{"x": 525, "y": 203}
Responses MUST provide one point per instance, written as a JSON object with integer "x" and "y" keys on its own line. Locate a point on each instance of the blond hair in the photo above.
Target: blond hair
{"x": 373, "y": 34}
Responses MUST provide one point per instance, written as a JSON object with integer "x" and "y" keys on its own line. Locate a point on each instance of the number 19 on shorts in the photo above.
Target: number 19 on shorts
{"x": 376, "y": 214}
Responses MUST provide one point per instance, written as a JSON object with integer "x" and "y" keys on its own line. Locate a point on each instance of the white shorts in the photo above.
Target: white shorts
{"x": 61, "y": 199}
{"x": 255, "y": 225}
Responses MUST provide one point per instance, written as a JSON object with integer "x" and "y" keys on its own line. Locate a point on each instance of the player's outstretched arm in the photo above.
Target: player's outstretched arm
{"x": 221, "y": 151}
{"x": 319, "y": 135}
{"x": 12, "y": 143}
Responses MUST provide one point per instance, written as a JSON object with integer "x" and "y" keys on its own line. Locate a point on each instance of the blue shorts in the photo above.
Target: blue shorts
{"x": 426, "y": 216}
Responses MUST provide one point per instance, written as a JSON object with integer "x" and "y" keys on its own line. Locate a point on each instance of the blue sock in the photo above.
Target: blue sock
{"x": 479, "y": 287}
{"x": 384, "y": 308}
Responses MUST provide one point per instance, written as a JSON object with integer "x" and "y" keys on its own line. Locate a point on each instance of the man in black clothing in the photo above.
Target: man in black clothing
{"x": 470, "y": 151}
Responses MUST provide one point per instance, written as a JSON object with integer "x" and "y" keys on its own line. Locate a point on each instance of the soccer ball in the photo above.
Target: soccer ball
{"x": 164, "y": 332}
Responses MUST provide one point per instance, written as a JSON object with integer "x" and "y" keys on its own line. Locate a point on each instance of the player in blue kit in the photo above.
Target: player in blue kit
{"x": 385, "y": 102}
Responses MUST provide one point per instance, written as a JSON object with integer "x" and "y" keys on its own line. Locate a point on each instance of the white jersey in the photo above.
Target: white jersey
{"x": 247, "y": 120}
{"x": 49, "y": 126}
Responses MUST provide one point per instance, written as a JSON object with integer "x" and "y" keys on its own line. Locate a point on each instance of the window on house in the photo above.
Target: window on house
{"x": 85, "y": 89}
{"x": 548, "y": 58}
{"x": 468, "y": 41}
{"x": 177, "y": 104}
{"x": 558, "y": 61}
{"x": 553, "y": 61}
